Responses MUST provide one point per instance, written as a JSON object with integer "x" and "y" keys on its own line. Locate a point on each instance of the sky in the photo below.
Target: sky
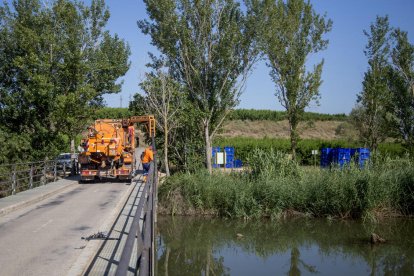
{"x": 345, "y": 62}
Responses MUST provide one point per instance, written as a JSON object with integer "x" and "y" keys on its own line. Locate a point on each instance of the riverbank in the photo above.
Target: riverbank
{"x": 277, "y": 187}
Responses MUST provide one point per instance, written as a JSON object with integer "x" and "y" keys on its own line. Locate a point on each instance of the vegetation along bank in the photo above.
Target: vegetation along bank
{"x": 276, "y": 187}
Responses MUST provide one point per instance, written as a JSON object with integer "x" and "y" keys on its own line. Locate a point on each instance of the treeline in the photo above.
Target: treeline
{"x": 57, "y": 62}
{"x": 244, "y": 147}
{"x": 273, "y": 115}
{"x": 236, "y": 114}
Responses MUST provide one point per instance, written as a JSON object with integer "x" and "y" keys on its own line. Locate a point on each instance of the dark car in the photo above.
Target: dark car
{"x": 65, "y": 160}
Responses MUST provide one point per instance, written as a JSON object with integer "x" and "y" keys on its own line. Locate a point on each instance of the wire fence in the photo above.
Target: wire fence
{"x": 18, "y": 177}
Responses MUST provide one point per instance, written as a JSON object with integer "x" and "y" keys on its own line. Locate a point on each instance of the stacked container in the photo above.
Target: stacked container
{"x": 238, "y": 163}
{"x": 342, "y": 156}
{"x": 362, "y": 156}
{"x": 229, "y": 156}
{"x": 326, "y": 157}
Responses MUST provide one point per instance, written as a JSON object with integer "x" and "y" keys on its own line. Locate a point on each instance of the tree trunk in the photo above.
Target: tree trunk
{"x": 208, "y": 147}
{"x": 293, "y": 138}
{"x": 167, "y": 167}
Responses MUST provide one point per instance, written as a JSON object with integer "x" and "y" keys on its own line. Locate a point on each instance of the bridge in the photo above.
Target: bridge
{"x": 50, "y": 224}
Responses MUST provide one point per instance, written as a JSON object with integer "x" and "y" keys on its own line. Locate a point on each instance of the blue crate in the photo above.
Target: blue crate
{"x": 363, "y": 155}
{"x": 229, "y": 159}
{"x": 326, "y": 157}
{"x": 341, "y": 156}
{"x": 238, "y": 163}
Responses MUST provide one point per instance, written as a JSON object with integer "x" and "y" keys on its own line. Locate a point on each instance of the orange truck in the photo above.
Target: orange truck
{"x": 109, "y": 148}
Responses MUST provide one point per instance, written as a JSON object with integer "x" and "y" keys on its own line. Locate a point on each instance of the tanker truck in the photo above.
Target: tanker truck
{"x": 109, "y": 148}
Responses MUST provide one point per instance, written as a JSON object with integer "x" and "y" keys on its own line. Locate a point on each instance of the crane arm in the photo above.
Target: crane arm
{"x": 149, "y": 120}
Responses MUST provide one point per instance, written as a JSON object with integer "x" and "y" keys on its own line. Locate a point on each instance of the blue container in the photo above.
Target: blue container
{"x": 363, "y": 155}
{"x": 229, "y": 150}
{"x": 229, "y": 160}
{"x": 238, "y": 163}
{"x": 341, "y": 156}
{"x": 326, "y": 157}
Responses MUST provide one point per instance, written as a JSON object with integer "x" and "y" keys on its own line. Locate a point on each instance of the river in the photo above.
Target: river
{"x": 204, "y": 246}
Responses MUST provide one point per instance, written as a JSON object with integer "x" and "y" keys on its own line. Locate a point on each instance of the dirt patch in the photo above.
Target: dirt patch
{"x": 326, "y": 130}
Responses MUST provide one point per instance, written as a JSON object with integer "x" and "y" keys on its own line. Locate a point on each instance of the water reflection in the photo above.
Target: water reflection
{"x": 196, "y": 246}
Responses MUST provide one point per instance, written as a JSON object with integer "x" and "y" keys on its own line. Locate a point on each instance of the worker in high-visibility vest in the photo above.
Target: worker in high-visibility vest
{"x": 147, "y": 157}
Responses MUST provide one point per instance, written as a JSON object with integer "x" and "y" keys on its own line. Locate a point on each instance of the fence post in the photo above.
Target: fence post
{"x": 44, "y": 173}
{"x": 54, "y": 171}
{"x": 31, "y": 177}
{"x": 14, "y": 180}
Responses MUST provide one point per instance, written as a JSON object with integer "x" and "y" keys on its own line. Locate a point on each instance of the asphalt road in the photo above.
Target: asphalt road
{"x": 45, "y": 239}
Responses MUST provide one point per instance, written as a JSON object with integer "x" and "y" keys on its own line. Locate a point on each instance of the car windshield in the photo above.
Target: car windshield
{"x": 64, "y": 156}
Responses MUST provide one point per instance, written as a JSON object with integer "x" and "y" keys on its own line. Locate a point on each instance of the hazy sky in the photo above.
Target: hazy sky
{"x": 345, "y": 62}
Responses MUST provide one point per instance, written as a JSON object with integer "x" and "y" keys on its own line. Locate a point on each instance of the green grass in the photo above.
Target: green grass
{"x": 277, "y": 186}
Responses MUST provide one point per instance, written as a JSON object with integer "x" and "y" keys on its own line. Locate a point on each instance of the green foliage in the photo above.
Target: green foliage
{"x": 385, "y": 185}
{"x": 208, "y": 47}
{"x": 112, "y": 113}
{"x": 273, "y": 115}
{"x": 291, "y": 31}
{"x": 269, "y": 163}
{"x": 374, "y": 97}
{"x": 57, "y": 63}
{"x": 401, "y": 83}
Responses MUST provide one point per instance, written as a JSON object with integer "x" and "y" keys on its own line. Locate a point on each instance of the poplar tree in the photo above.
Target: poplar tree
{"x": 401, "y": 81}
{"x": 374, "y": 98}
{"x": 291, "y": 31}
{"x": 208, "y": 46}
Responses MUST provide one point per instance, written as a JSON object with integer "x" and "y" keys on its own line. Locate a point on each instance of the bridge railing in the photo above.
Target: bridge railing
{"x": 18, "y": 177}
{"x": 144, "y": 239}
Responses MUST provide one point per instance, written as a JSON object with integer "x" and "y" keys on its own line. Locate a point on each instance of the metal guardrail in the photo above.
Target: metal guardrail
{"x": 15, "y": 178}
{"x": 145, "y": 238}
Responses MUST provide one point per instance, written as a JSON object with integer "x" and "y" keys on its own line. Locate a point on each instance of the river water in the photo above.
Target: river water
{"x": 203, "y": 246}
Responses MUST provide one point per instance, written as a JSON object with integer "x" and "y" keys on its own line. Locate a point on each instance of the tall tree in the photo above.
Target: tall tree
{"x": 58, "y": 63}
{"x": 375, "y": 94}
{"x": 163, "y": 98}
{"x": 401, "y": 80}
{"x": 209, "y": 49}
{"x": 291, "y": 32}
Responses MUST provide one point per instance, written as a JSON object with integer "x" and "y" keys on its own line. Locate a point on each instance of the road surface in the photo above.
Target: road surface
{"x": 45, "y": 239}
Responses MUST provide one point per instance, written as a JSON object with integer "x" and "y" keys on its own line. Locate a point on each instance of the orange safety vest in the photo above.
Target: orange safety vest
{"x": 148, "y": 156}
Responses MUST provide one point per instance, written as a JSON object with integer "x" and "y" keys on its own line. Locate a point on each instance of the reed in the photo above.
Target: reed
{"x": 276, "y": 186}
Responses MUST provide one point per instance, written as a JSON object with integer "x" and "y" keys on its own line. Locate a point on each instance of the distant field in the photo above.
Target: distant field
{"x": 326, "y": 130}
